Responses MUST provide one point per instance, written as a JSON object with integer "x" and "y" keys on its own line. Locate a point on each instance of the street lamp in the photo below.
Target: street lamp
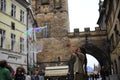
{"x": 87, "y": 33}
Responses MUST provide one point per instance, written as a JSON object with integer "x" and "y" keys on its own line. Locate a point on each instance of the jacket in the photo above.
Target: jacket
{"x": 5, "y": 74}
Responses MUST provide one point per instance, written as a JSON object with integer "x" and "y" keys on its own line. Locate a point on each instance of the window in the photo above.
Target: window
{"x": 13, "y": 10}
{"x": 12, "y": 25}
{"x": 13, "y": 41}
{"x": 22, "y": 16}
{"x": 2, "y": 38}
{"x": 3, "y": 5}
{"x": 57, "y": 4}
{"x": 21, "y": 44}
{"x": 45, "y": 2}
{"x": 45, "y": 31}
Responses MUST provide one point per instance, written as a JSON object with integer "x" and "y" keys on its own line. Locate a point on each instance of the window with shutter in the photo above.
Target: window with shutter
{"x": 3, "y": 5}
{"x": 2, "y": 38}
{"x": 13, "y": 10}
{"x": 22, "y": 16}
{"x": 12, "y": 25}
{"x": 21, "y": 44}
{"x": 13, "y": 41}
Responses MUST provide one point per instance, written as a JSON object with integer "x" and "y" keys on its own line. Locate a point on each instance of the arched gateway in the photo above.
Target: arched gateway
{"x": 95, "y": 43}
{"x": 54, "y": 15}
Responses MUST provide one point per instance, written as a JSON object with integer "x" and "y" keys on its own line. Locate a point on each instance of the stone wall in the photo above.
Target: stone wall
{"x": 54, "y": 48}
{"x": 55, "y": 18}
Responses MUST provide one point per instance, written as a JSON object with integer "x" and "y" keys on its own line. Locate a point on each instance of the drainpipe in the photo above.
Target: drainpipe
{"x": 27, "y": 43}
{"x": 33, "y": 49}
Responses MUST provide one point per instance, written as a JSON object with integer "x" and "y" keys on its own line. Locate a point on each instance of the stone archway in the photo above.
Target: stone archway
{"x": 99, "y": 54}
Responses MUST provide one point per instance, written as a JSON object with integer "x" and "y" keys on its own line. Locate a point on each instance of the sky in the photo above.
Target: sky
{"x": 91, "y": 61}
{"x": 84, "y": 13}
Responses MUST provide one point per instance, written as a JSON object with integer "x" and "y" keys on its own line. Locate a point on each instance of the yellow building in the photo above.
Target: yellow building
{"x": 13, "y": 24}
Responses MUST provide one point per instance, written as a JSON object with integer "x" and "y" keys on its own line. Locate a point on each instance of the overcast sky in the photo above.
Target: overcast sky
{"x": 91, "y": 61}
{"x": 84, "y": 13}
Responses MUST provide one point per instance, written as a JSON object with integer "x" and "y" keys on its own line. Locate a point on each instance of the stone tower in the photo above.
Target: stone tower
{"x": 54, "y": 14}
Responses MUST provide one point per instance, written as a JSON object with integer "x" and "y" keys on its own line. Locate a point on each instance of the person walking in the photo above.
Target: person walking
{"x": 20, "y": 74}
{"x": 28, "y": 77}
{"x": 102, "y": 73}
{"x": 37, "y": 74}
{"x": 33, "y": 76}
{"x": 41, "y": 74}
{"x": 4, "y": 71}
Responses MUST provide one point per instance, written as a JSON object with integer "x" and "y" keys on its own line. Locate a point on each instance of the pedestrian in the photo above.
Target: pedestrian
{"x": 33, "y": 76}
{"x": 78, "y": 67}
{"x": 71, "y": 67}
{"x": 79, "y": 70}
{"x": 20, "y": 74}
{"x": 96, "y": 76}
{"x": 41, "y": 74}
{"x": 102, "y": 73}
{"x": 71, "y": 61}
{"x": 4, "y": 71}
{"x": 92, "y": 75}
{"x": 85, "y": 63}
{"x": 28, "y": 77}
{"x": 12, "y": 72}
{"x": 37, "y": 74}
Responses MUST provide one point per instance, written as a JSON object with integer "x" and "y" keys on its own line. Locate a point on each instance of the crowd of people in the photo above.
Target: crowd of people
{"x": 94, "y": 76}
{"x": 8, "y": 73}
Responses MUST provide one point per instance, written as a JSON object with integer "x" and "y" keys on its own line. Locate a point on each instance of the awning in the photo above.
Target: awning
{"x": 56, "y": 71}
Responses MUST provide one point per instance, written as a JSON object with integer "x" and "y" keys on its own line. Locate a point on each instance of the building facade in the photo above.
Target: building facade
{"x": 109, "y": 20}
{"x": 13, "y": 25}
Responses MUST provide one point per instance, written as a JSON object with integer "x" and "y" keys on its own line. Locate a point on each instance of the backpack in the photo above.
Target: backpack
{"x": 36, "y": 77}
